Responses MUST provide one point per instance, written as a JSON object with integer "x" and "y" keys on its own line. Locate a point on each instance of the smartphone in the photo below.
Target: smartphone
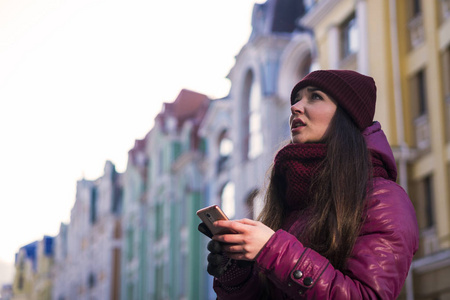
{"x": 211, "y": 214}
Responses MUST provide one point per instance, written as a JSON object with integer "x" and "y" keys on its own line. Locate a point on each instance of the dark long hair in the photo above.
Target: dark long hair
{"x": 338, "y": 193}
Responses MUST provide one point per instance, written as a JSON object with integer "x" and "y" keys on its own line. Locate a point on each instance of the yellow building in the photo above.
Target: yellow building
{"x": 24, "y": 274}
{"x": 32, "y": 279}
{"x": 42, "y": 288}
{"x": 405, "y": 46}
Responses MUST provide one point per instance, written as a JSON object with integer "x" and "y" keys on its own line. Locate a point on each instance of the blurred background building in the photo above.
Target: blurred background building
{"x": 88, "y": 250}
{"x": 134, "y": 235}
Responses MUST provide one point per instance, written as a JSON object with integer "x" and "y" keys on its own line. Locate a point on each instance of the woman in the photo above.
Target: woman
{"x": 335, "y": 225}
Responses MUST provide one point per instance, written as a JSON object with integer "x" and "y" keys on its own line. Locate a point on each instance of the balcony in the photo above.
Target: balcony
{"x": 416, "y": 31}
{"x": 422, "y": 129}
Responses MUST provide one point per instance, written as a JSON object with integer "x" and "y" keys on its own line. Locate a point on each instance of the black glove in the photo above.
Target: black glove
{"x": 218, "y": 262}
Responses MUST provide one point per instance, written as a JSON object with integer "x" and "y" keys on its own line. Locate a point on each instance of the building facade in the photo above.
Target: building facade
{"x": 135, "y": 260}
{"x": 33, "y": 276}
{"x": 164, "y": 187}
{"x": 266, "y": 69}
{"x": 89, "y": 248}
{"x": 26, "y": 266}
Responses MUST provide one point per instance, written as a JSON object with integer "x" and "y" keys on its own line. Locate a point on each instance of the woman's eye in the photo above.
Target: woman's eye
{"x": 315, "y": 96}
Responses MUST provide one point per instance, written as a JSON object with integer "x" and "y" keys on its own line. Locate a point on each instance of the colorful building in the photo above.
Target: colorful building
{"x": 88, "y": 249}
{"x": 164, "y": 188}
{"x": 33, "y": 276}
{"x": 26, "y": 266}
{"x": 135, "y": 260}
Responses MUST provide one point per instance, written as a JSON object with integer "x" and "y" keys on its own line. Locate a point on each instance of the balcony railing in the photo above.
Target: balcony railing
{"x": 416, "y": 31}
{"x": 422, "y": 127}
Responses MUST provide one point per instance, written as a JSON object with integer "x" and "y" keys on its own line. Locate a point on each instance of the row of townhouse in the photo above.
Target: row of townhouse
{"x": 134, "y": 235}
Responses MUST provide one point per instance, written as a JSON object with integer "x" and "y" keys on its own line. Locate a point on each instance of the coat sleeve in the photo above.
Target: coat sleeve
{"x": 377, "y": 268}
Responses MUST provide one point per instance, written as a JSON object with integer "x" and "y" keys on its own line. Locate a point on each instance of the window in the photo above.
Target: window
{"x": 251, "y": 118}
{"x": 349, "y": 37}
{"x": 428, "y": 197}
{"x": 255, "y": 128}
{"x": 416, "y": 8}
{"x": 159, "y": 282}
{"x": 20, "y": 283}
{"x": 161, "y": 162}
{"x": 250, "y": 203}
{"x": 176, "y": 150}
{"x": 130, "y": 244}
{"x": 203, "y": 147}
{"x": 415, "y": 23}
{"x": 418, "y": 96}
{"x": 225, "y": 150}
{"x": 93, "y": 206}
{"x": 421, "y": 92}
{"x": 422, "y": 195}
{"x": 130, "y": 291}
{"x": 116, "y": 207}
{"x": 227, "y": 199}
{"x": 91, "y": 280}
{"x": 446, "y": 84}
{"x": 159, "y": 220}
{"x": 305, "y": 67}
{"x": 446, "y": 72}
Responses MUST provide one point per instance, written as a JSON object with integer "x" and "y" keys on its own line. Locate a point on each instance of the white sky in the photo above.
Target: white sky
{"x": 80, "y": 80}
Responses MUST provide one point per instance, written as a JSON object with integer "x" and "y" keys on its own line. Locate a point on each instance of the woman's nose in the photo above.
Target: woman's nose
{"x": 297, "y": 107}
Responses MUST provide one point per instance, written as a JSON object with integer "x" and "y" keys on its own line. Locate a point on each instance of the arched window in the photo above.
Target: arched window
{"x": 305, "y": 67}
{"x": 227, "y": 199}
{"x": 252, "y": 112}
{"x": 250, "y": 204}
{"x": 225, "y": 150}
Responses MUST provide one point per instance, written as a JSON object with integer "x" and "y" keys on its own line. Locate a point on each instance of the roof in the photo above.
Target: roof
{"x": 188, "y": 105}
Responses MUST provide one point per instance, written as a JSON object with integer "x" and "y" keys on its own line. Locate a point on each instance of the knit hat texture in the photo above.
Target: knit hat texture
{"x": 354, "y": 92}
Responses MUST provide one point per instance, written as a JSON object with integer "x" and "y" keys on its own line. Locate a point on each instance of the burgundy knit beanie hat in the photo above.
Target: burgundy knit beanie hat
{"x": 354, "y": 92}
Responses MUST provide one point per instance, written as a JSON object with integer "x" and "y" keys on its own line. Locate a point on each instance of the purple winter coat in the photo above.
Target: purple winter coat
{"x": 380, "y": 259}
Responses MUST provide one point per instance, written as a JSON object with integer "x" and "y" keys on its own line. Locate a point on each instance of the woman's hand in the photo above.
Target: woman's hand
{"x": 247, "y": 242}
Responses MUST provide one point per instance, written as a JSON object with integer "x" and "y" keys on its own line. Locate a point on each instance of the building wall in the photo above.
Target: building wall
{"x": 134, "y": 257}
{"x": 24, "y": 277}
{"x": 91, "y": 266}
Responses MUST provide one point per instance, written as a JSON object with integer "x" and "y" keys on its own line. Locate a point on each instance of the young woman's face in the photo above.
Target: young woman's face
{"x": 311, "y": 114}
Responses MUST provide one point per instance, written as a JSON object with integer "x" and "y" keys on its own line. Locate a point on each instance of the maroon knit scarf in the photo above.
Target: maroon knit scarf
{"x": 296, "y": 165}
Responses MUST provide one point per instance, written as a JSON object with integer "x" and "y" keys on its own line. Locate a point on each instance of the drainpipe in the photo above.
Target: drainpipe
{"x": 399, "y": 121}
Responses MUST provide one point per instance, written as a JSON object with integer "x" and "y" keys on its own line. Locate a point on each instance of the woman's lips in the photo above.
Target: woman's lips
{"x": 297, "y": 124}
